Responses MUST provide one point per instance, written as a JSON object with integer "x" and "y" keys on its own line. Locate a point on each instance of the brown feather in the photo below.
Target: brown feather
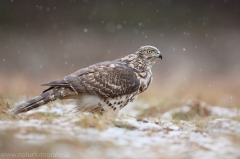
{"x": 104, "y": 87}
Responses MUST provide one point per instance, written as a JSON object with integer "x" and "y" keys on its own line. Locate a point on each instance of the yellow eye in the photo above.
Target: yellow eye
{"x": 149, "y": 51}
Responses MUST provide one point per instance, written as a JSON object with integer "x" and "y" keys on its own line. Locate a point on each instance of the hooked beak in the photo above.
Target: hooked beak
{"x": 160, "y": 55}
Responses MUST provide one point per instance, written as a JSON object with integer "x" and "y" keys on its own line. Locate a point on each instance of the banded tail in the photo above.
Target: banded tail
{"x": 47, "y": 96}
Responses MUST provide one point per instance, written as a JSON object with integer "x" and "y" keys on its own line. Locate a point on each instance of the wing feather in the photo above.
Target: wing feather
{"x": 109, "y": 79}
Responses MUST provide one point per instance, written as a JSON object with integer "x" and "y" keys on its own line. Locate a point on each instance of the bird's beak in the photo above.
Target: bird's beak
{"x": 160, "y": 55}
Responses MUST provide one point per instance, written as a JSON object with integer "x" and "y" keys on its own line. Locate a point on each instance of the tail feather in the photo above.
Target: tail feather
{"x": 44, "y": 98}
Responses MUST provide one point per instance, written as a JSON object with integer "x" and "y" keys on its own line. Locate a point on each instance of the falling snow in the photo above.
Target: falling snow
{"x": 85, "y": 30}
{"x": 119, "y": 26}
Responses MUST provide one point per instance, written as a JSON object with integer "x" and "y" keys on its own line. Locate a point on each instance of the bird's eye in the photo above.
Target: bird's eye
{"x": 149, "y": 51}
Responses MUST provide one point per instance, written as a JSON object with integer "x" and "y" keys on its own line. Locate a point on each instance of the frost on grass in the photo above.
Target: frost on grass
{"x": 58, "y": 128}
{"x": 193, "y": 108}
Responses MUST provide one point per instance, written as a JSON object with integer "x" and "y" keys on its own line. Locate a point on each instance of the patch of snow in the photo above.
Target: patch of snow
{"x": 148, "y": 139}
{"x": 142, "y": 125}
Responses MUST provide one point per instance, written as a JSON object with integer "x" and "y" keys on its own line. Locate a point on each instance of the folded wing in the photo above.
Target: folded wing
{"x": 105, "y": 79}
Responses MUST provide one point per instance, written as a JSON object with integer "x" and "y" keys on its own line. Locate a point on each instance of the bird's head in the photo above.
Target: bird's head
{"x": 149, "y": 52}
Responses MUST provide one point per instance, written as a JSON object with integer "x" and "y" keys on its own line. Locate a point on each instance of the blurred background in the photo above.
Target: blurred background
{"x": 46, "y": 40}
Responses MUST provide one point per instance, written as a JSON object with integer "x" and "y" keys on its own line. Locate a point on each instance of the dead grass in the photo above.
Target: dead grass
{"x": 94, "y": 121}
{"x": 158, "y": 107}
{"x": 4, "y": 108}
{"x": 196, "y": 120}
{"x": 47, "y": 117}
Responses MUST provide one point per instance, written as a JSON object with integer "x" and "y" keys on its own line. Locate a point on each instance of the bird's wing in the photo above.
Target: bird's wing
{"x": 109, "y": 79}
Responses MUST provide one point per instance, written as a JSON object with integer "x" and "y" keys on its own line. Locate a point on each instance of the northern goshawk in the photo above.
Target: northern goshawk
{"x": 103, "y": 88}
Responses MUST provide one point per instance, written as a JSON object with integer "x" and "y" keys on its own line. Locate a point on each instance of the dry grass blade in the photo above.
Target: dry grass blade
{"x": 4, "y": 110}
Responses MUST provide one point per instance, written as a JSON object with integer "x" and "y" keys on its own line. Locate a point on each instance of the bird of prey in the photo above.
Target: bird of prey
{"x": 103, "y": 88}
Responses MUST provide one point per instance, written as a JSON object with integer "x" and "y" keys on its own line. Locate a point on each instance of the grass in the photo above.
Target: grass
{"x": 4, "y": 108}
{"x": 86, "y": 135}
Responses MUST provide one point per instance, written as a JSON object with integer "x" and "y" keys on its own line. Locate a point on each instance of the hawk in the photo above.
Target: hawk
{"x": 102, "y": 88}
